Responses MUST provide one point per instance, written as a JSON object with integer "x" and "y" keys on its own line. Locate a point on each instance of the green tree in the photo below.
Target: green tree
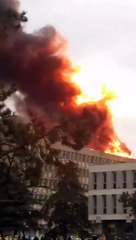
{"x": 21, "y": 156}
{"x": 129, "y": 201}
{"x": 20, "y": 165}
{"x": 125, "y": 199}
{"x": 66, "y": 210}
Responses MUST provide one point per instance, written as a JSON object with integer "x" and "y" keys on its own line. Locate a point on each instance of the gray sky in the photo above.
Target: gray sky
{"x": 102, "y": 38}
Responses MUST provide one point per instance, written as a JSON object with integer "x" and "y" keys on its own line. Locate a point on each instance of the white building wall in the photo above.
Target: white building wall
{"x": 112, "y": 189}
{"x": 109, "y": 182}
{"x": 109, "y": 209}
{"x": 129, "y": 179}
{"x": 84, "y": 158}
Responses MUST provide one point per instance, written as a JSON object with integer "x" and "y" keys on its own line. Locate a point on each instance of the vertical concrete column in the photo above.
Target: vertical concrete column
{"x": 99, "y": 205}
{"x": 109, "y": 204}
{"x": 109, "y": 180}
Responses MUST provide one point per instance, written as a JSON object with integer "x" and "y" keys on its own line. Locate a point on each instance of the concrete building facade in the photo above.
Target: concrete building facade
{"x": 106, "y": 184}
{"x": 87, "y": 160}
{"x": 84, "y": 158}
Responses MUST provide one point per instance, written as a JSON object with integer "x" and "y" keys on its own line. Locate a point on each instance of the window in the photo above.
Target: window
{"x": 84, "y": 173}
{"x": 80, "y": 157}
{"x": 95, "y": 204}
{"x": 71, "y": 155}
{"x": 67, "y": 155}
{"x": 50, "y": 183}
{"x": 87, "y": 159}
{"x": 91, "y": 160}
{"x": 114, "y": 178}
{"x": 124, "y": 184}
{"x": 125, "y": 210}
{"x": 134, "y": 178}
{"x": 94, "y": 181}
{"x": 104, "y": 180}
{"x": 46, "y": 182}
{"x": 96, "y": 160}
{"x": 63, "y": 154}
{"x": 114, "y": 203}
{"x": 84, "y": 157}
{"x": 76, "y": 157}
{"x": 124, "y": 179}
{"x": 104, "y": 199}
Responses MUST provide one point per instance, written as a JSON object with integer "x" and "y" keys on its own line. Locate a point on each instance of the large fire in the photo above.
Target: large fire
{"x": 39, "y": 66}
{"x": 103, "y": 94}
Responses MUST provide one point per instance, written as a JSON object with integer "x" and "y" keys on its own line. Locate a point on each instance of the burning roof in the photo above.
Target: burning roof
{"x": 44, "y": 74}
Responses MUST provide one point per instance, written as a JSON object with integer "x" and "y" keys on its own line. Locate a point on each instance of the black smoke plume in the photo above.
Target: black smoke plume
{"x": 38, "y": 65}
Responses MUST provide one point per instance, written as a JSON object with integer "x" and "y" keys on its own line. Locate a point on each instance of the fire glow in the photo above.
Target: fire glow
{"x": 102, "y": 95}
{"x": 63, "y": 96}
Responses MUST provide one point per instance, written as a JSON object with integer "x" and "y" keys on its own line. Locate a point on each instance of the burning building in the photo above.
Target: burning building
{"x": 39, "y": 66}
{"x": 43, "y": 73}
{"x": 91, "y": 162}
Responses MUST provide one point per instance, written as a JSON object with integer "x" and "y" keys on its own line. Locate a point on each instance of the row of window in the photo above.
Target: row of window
{"x": 39, "y": 197}
{"x": 104, "y": 204}
{"x": 79, "y": 157}
{"x": 113, "y": 179}
{"x": 49, "y": 183}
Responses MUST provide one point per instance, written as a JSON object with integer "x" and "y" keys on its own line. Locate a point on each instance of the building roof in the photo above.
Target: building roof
{"x": 94, "y": 153}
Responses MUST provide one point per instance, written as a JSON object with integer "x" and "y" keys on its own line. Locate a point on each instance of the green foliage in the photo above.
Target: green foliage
{"x": 20, "y": 165}
{"x": 125, "y": 199}
{"x": 15, "y": 203}
{"x": 66, "y": 209}
{"x": 129, "y": 200}
{"x": 133, "y": 203}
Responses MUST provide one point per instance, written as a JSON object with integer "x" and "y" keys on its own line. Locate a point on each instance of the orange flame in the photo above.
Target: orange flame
{"x": 117, "y": 150}
{"x": 105, "y": 95}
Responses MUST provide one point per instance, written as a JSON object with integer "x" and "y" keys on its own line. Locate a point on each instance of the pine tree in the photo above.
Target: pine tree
{"x": 20, "y": 165}
{"x": 66, "y": 210}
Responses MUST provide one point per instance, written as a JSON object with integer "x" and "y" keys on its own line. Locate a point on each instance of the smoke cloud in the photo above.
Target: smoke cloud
{"x": 8, "y": 5}
{"x": 41, "y": 70}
